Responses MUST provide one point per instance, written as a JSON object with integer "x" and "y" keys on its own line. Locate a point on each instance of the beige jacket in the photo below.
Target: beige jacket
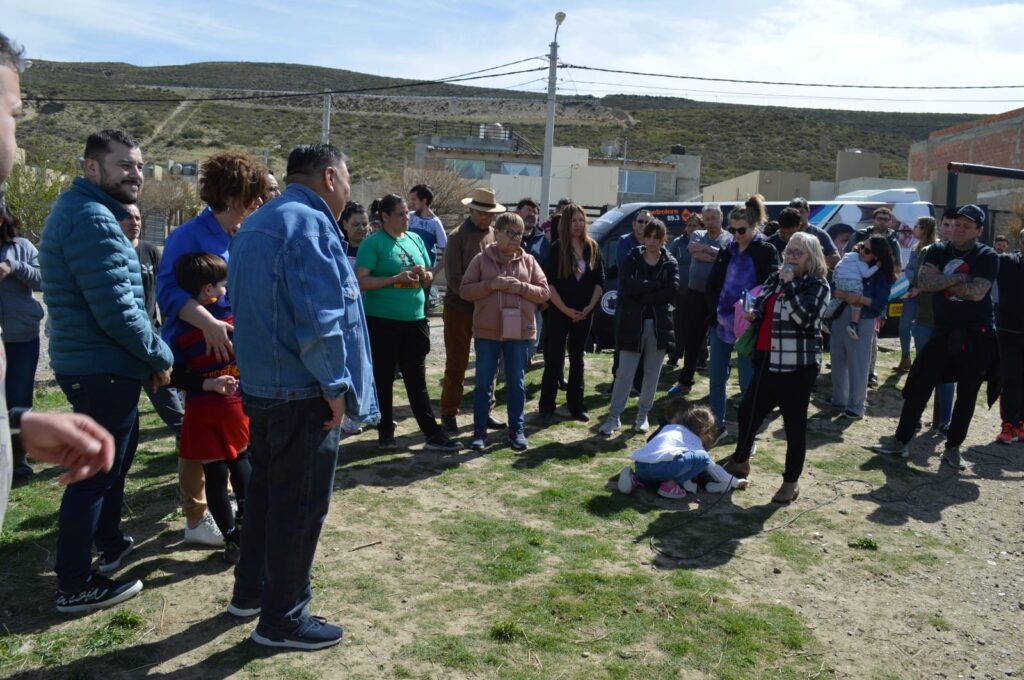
{"x": 531, "y": 291}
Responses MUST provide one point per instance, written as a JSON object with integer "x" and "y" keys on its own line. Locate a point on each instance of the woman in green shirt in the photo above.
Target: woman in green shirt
{"x": 392, "y": 267}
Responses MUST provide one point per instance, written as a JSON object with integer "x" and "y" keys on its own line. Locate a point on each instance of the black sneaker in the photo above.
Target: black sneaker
{"x": 232, "y": 552}
{"x": 314, "y": 633}
{"x": 441, "y": 442}
{"x": 582, "y": 417}
{"x": 449, "y": 424}
{"x": 96, "y": 593}
{"x": 495, "y": 424}
{"x": 386, "y": 442}
{"x": 110, "y": 563}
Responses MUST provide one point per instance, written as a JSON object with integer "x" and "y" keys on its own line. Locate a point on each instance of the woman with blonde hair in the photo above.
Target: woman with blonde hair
{"x": 786, "y": 321}
{"x": 576, "y": 279}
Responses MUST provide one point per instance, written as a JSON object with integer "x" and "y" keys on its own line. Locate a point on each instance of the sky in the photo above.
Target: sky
{"x": 865, "y": 42}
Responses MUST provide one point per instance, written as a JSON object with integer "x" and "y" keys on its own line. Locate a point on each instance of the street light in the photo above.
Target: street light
{"x": 549, "y": 130}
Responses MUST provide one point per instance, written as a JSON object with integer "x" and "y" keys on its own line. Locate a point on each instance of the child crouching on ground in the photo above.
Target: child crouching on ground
{"x": 215, "y": 431}
{"x": 677, "y": 453}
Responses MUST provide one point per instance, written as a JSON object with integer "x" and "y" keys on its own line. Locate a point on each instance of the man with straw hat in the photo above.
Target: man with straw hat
{"x": 464, "y": 244}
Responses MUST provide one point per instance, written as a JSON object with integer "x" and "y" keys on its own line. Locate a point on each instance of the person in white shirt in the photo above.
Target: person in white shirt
{"x": 677, "y": 453}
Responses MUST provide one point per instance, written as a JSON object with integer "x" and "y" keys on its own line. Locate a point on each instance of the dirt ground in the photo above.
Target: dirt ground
{"x": 940, "y": 596}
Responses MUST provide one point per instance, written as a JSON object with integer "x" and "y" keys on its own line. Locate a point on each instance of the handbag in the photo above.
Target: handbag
{"x": 746, "y": 343}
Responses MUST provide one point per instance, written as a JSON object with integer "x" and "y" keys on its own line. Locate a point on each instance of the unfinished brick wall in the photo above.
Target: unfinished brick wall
{"x": 995, "y": 140}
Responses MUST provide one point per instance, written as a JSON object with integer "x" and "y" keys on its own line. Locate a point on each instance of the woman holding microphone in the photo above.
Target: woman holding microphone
{"x": 787, "y": 357}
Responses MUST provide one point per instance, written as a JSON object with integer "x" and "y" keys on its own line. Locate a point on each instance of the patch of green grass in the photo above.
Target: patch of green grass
{"x": 120, "y": 627}
{"x": 502, "y": 550}
{"x": 566, "y": 502}
{"x": 449, "y": 651}
{"x": 793, "y": 549}
{"x": 939, "y": 623}
{"x": 506, "y": 630}
{"x": 371, "y": 590}
{"x": 863, "y": 543}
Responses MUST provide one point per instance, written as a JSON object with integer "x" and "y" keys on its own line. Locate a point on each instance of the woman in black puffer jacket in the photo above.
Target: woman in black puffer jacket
{"x": 648, "y": 283}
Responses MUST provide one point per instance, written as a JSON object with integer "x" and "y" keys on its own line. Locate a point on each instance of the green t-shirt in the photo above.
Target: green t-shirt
{"x": 384, "y": 255}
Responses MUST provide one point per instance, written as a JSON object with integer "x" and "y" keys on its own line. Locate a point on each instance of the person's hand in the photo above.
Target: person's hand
{"x": 913, "y": 293}
{"x": 418, "y": 271}
{"x": 500, "y": 283}
{"x": 161, "y": 378}
{"x": 5, "y": 269}
{"x": 786, "y": 274}
{"x": 427, "y": 277}
{"x": 72, "y": 440}
{"x": 218, "y": 343}
{"x": 222, "y": 384}
{"x": 337, "y": 411}
{"x": 406, "y": 276}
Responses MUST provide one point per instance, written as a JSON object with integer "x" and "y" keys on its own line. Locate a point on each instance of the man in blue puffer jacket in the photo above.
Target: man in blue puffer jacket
{"x": 102, "y": 346}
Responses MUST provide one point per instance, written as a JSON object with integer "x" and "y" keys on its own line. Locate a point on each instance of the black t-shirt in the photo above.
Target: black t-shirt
{"x": 979, "y": 262}
{"x": 149, "y": 261}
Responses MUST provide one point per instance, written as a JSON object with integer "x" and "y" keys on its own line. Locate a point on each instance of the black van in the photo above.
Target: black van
{"x": 840, "y": 218}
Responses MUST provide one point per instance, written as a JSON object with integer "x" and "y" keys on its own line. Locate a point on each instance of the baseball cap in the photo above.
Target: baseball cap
{"x": 973, "y": 213}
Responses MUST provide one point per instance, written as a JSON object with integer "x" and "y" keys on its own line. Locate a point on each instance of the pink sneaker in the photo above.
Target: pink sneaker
{"x": 670, "y": 489}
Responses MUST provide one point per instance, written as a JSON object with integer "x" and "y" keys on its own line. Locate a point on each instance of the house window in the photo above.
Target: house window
{"x": 637, "y": 182}
{"x": 468, "y": 169}
{"x": 520, "y": 169}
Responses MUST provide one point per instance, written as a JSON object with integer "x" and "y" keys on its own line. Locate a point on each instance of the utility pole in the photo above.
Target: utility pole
{"x": 325, "y": 128}
{"x": 549, "y": 129}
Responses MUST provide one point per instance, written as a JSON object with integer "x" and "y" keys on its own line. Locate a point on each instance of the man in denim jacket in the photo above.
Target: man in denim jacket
{"x": 304, "y": 359}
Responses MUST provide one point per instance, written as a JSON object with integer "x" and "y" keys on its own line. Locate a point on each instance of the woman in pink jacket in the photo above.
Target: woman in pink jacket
{"x": 506, "y": 284}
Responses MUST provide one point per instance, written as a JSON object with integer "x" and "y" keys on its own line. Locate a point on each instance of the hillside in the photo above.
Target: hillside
{"x": 378, "y": 129}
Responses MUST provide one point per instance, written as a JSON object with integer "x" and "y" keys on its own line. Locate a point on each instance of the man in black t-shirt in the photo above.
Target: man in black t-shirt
{"x": 960, "y": 273}
{"x": 165, "y": 399}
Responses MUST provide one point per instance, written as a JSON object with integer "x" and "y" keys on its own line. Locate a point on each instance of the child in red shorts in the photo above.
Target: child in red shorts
{"x": 215, "y": 431}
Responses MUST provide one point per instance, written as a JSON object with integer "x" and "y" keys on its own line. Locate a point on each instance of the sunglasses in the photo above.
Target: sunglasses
{"x": 737, "y": 230}
{"x": 513, "y": 235}
{"x": 643, "y": 222}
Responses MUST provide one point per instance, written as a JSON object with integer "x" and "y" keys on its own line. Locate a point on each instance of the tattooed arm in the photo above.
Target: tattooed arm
{"x": 932, "y": 280}
{"x": 973, "y": 290}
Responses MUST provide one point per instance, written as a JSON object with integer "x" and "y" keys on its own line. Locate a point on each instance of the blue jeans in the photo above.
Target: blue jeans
{"x": 293, "y": 460}
{"x": 166, "y": 402}
{"x": 682, "y": 468}
{"x": 90, "y": 511}
{"x": 943, "y": 393}
{"x": 22, "y": 360}
{"x": 514, "y": 353}
{"x": 906, "y": 322}
{"x": 718, "y": 374}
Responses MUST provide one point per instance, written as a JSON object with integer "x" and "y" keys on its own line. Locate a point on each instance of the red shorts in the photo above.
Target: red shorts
{"x": 215, "y": 428}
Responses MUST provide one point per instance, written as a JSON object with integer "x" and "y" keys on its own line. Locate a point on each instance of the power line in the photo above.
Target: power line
{"x": 288, "y": 95}
{"x": 788, "y": 84}
{"x": 779, "y": 95}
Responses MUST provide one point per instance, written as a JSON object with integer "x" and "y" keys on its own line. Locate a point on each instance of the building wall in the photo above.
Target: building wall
{"x": 774, "y": 185}
{"x": 995, "y": 140}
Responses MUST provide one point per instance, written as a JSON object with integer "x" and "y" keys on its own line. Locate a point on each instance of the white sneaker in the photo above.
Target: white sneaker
{"x": 609, "y": 426}
{"x": 204, "y": 533}
{"x": 690, "y": 486}
{"x": 641, "y": 426}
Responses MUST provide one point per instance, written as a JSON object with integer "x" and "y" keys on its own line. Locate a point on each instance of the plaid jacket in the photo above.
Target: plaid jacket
{"x": 796, "y": 321}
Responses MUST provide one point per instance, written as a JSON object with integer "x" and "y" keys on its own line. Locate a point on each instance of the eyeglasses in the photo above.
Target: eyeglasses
{"x": 737, "y": 230}
{"x": 512, "y": 235}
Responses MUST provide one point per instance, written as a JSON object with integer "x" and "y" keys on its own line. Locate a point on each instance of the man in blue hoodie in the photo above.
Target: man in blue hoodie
{"x": 303, "y": 354}
{"x": 102, "y": 346}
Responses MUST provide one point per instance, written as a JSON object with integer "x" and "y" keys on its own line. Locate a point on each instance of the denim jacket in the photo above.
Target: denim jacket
{"x": 300, "y": 328}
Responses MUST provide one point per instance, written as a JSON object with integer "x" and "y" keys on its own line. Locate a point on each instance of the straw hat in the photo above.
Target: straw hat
{"x": 483, "y": 200}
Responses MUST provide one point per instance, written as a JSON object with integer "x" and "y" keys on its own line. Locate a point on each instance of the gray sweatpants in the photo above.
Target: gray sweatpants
{"x": 653, "y": 359}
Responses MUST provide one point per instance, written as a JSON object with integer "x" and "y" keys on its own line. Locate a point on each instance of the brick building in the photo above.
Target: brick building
{"x": 995, "y": 140}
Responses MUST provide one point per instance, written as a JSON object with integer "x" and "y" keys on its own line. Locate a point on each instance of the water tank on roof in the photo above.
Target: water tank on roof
{"x": 678, "y": 150}
{"x": 493, "y": 131}
{"x": 176, "y": 168}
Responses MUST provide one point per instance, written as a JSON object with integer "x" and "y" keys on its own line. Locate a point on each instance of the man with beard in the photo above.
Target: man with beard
{"x": 537, "y": 243}
{"x": 102, "y": 347}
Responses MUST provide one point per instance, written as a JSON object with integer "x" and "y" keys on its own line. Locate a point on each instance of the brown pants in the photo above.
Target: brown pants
{"x": 193, "y": 489}
{"x": 458, "y": 334}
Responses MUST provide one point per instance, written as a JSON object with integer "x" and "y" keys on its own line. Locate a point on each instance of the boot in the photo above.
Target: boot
{"x": 738, "y": 469}
{"x": 787, "y": 493}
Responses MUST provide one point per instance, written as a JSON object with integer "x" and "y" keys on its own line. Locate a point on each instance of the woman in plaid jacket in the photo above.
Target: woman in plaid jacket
{"x": 787, "y": 357}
